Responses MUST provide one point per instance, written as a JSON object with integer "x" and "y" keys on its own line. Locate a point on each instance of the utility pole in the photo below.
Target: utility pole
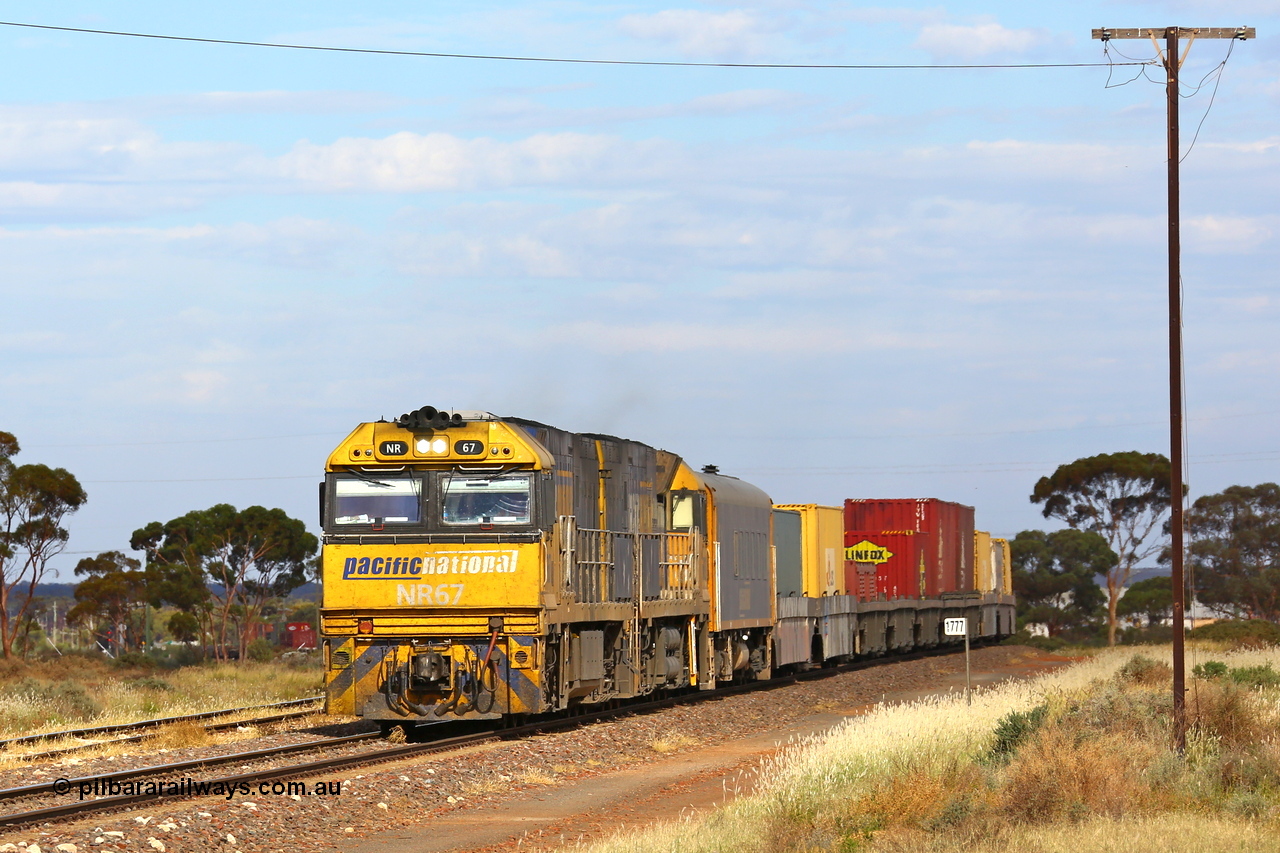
{"x": 1172, "y": 63}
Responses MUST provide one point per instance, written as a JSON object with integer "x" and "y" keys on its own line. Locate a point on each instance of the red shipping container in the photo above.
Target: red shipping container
{"x": 948, "y": 527}
{"x": 300, "y": 635}
{"x": 884, "y": 565}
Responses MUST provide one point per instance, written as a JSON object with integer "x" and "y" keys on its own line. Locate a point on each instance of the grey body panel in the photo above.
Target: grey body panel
{"x": 744, "y": 576}
{"x": 787, "y": 547}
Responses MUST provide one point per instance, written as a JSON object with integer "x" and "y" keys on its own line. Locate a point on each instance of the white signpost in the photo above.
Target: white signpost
{"x": 960, "y": 628}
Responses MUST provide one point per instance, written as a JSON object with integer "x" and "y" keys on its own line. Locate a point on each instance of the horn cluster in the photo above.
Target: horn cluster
{"x": 428, "y": 417}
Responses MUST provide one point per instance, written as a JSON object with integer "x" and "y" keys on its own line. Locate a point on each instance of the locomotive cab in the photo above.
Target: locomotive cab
{"x": 433, "y": 566}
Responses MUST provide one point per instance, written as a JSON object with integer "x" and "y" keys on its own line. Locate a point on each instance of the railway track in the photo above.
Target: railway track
{"x": 392, "y": 753}
{"x": 145, "y": 728}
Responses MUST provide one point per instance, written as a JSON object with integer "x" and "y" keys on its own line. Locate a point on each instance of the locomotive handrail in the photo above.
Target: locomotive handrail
{"x": 659, "y": 565}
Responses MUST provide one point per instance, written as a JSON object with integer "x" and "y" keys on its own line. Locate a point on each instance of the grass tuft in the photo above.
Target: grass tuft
{"x": 672, "y": 742}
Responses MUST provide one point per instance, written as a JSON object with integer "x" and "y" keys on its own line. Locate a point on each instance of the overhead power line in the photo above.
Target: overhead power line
{"x": 559, "y": 59}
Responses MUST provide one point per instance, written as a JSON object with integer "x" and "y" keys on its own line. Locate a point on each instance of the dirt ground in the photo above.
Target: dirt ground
{"x": 597, "y": 806}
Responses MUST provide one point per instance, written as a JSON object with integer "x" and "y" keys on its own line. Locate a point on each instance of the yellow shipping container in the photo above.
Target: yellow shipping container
{"x": 822, "y": 543}
{"x": 983, "y": 579}
{"x": 1002, "y": 565}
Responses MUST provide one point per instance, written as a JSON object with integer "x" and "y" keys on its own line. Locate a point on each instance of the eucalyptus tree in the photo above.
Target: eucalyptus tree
{"x": 114, "y": 588}
{"x": 35, "y": 501}
{"x": 1151, "y": 599}
{"x": 1053, "y": 577}
{"x": 222, "y": 565}
{"x": 1124, "y": 497}
{"x": 1234, "y": 554}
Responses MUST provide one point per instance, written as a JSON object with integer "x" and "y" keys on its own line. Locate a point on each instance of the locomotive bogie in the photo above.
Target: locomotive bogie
{"x": 388, "y": 679}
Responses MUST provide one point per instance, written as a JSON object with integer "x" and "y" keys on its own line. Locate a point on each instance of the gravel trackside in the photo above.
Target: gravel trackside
{"x": 411, "y": 792}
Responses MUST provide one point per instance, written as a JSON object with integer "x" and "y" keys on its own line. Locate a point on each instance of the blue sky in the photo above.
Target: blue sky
{"x": 215, "y": 260}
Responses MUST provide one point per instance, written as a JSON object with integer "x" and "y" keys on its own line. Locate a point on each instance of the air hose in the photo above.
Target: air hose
{"x": 483, "y": 671}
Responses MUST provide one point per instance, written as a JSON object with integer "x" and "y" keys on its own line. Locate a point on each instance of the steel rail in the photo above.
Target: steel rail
{"x": 112, "y": 803}
{"x": 216, "y": 727}
{"x": 192, "y": 764}
{"x": 448, "y": 744}
{"x": 159, "y": 721}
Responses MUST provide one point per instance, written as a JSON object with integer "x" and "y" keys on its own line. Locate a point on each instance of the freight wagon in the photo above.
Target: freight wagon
{"x": 480, "y": 567}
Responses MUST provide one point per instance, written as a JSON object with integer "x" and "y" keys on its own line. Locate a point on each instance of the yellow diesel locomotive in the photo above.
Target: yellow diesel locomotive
{"x": 479, "y": 567}
{"x": 483, "y": 567}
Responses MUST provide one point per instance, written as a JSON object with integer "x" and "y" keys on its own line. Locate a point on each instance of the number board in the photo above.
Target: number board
{"x": 393, "y": 448}
{"x": 955, "y": 627}
{"x": 468, "y": 447}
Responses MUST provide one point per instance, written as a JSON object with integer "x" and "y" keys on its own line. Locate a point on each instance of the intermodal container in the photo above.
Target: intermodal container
{"x": 1002, "y": 566}
{"x": 822, "y": 532}
{"x": 948, "y": 547}
{"x": 300, "y": 635}
{"x": 881, "y": 565}
{"x": 983, "y": 572}
{"x": 788, "y": 552}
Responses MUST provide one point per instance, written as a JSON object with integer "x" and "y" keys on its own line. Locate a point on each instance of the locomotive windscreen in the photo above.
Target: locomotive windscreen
{"x": 486, "y": 500}
{"x": 391, "y": 500}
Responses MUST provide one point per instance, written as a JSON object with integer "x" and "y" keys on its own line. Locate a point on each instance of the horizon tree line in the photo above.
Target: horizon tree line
{"x": 220, "y": 567}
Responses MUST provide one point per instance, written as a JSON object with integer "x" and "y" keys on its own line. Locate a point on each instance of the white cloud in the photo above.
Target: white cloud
{"x": 798, "y": 336}
{"x": 1246, "y": 362}
{"x": 272, "y": 102}
{"x": 36, "y": 143}
{"x": 1220, "y": 8}
{"x": 509, "y": 111}
{"x": 409, "y": 162}
{"x": 977, "y": 40}
{"x": 1218, "y": 234}
{"x": 705, "y": 34}
{"x": 889, "y": 15}
{"x": 200, "y": 386}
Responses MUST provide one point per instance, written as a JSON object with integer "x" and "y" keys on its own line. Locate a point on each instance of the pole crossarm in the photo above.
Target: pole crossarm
{"x": 1145, "y": 33}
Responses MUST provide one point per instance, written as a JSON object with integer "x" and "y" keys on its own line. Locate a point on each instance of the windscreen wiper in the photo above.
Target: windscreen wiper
{"x": 354, "y": 472}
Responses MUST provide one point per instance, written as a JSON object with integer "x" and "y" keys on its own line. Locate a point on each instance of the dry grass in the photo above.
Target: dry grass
{"x": 537, "y": 777}
{"x": 168, "y": 738}
{"x": 1164, "y": 833}
{"x": 673, "y": 742}
{"x": 488, "y": 785}
{"x": 182, "y": 735}
{"x": 1046, "y": 765}
{"x": 74, "y": 692}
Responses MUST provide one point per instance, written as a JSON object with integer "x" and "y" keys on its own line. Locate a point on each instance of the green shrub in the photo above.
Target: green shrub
{"x": 1142, "y": 669}
{"x": 299, "y": 659}
{"x": 1012, "y": 731}
{"x": 261, "y": 650}
{"x": 63, "y": 700}
{"x": 174, "y": 657}
{"x": 1209, "y": 670}
{"x": 1255, "y": 676}
{"x": 135, "y": 659}
{"x": 1247, "y": 804}
{"x": 1154, "y": 635}
{"x": 1240, "y": 630}
{"x": 151, "y": 682}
